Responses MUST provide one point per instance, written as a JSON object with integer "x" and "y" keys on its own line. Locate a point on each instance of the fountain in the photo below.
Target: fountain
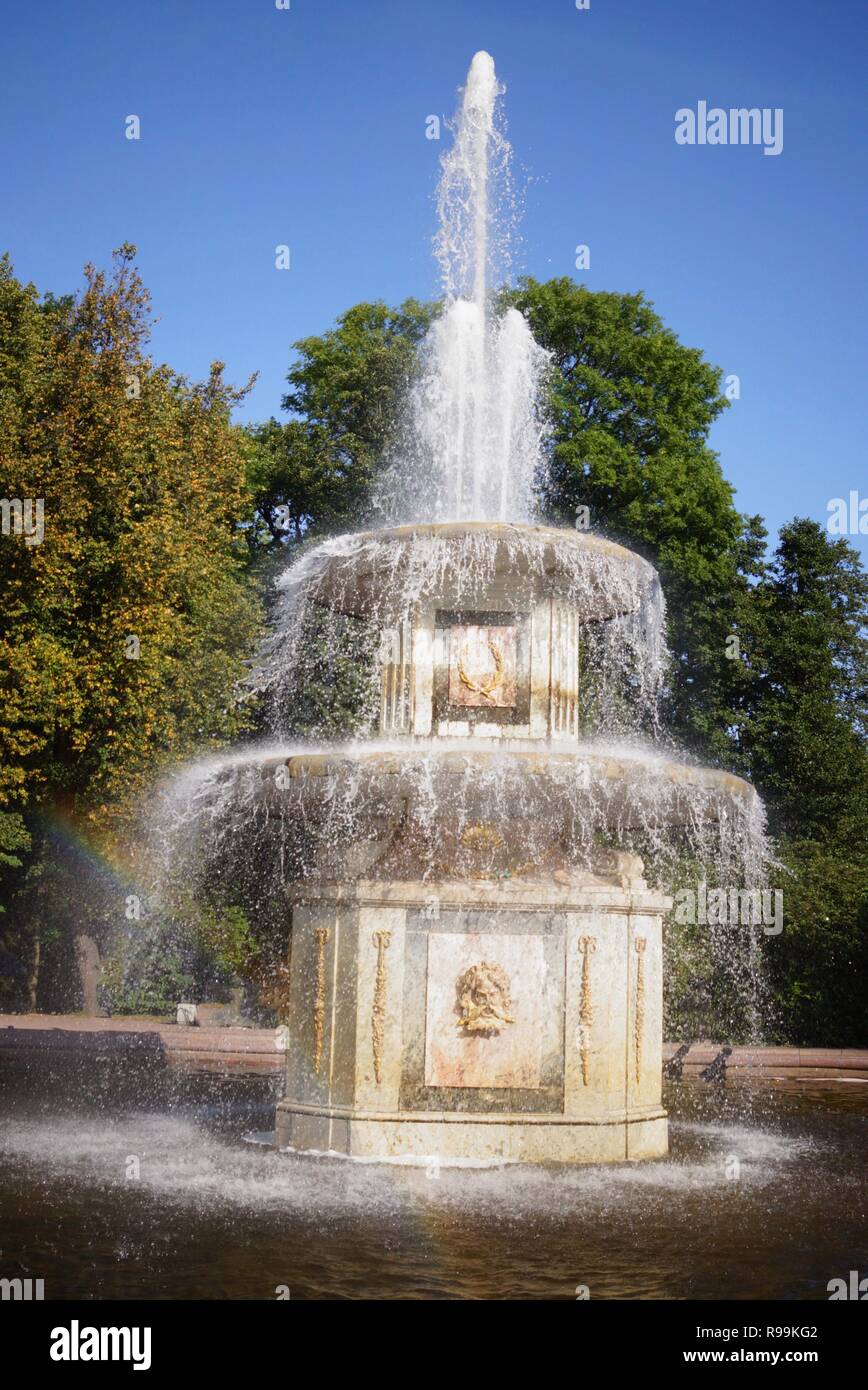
{"x": 476, "y": 963}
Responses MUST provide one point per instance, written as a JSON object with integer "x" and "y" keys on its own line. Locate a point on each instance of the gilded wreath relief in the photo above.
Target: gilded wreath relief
{"x": 482, "y": 666}
{"x": 484, "y": 1000}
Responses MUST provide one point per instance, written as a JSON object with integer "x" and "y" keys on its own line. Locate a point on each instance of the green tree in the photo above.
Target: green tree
{"x": 818, "y": 966}
{"x": 314, "y": 473}
{"x": 802, "y": 741}
{"x": 805, "y": 714}
{"x": 630, "y": 410}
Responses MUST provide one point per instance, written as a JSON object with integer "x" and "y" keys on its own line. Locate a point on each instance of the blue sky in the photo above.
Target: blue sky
{"x": 307, "y": 127}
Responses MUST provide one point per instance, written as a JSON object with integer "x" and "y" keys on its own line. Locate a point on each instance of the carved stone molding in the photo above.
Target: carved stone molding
{"x": 587, "y": 946}
{"x": 382, "y": 940}
{"x": 322, "y": 936}
{"x": 639, "y": 1017}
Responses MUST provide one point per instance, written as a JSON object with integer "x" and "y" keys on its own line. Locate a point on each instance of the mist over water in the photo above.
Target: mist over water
{"x": 212, "y": 1217}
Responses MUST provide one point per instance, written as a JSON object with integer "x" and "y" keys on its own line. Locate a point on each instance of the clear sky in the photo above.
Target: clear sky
{"x": 306, "y": 126}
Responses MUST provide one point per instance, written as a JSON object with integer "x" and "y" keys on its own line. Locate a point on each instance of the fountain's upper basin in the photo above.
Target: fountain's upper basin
{"x": 373, "y": 573}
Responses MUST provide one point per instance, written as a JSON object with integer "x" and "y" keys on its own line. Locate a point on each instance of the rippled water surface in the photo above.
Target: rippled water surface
{"x": 762, "y": 1197}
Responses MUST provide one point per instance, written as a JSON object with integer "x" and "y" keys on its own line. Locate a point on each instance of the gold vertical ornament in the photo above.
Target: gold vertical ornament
{"x": 382, "y": 940}
{"x": 587, "y": 946}
{"x": 322, "y": 936}
{"x": 639, "y": 1018}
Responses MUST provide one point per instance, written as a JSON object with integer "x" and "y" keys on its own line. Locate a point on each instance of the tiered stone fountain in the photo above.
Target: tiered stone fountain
{"x": 476, "y": 967}
{"x": 494, "y": 1000}
{"x": 476, "y": 956}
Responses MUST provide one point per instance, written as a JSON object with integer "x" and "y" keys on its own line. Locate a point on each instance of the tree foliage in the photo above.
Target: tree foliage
{"x": 801, "y": 737}
{"x": 315, "y": 472}
{"x": 125, "y": 628}
{"x": 805, "y": 711}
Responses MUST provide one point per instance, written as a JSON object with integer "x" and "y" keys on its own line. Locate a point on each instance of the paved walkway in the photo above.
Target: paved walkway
{"x": 809, "y": 1062}
{"x": 229, "y": 1049}
{"x": 234, "y": 1049}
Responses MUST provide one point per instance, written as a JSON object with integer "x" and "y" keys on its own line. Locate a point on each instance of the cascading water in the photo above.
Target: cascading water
{"x": 502, "y": 757}
{"x": 470, "y": 449}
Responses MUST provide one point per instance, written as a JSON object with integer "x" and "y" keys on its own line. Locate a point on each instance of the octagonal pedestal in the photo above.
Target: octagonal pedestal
{"x": 508, "y": 1020}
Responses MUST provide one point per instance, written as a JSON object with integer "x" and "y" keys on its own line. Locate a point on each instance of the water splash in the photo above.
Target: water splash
{"x": 271, "y": 818}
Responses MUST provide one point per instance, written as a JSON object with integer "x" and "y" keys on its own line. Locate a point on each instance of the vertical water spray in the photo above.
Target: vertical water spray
{"x": 479, "y": 155}
{"x": 470, "y": 449}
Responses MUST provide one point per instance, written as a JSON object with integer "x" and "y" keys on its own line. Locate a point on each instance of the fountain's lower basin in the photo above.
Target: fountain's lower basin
{"x": 476, "y": 955}
{"x": 228, "y": 1220}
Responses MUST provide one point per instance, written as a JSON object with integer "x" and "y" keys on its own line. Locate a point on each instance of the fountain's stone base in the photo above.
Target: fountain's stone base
{"x": 513, "y": 1020}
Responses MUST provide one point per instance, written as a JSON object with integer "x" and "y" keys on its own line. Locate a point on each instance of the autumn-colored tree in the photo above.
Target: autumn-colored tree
{"x": 126, "y": 621}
